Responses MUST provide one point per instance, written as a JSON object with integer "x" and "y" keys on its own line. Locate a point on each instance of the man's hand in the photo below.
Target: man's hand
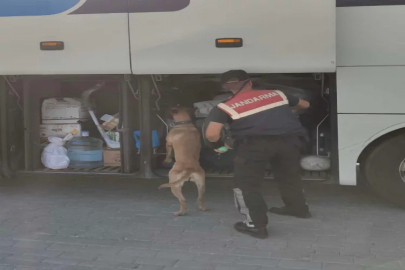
{"x": 302, "y": 105}
{"x": 222, "y": 149}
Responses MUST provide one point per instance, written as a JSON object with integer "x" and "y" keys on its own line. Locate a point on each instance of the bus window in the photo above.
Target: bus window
{"x": 356, "y": 3}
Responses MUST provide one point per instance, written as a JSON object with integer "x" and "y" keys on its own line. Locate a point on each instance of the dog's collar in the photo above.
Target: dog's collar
{"x": 175, "y": 124}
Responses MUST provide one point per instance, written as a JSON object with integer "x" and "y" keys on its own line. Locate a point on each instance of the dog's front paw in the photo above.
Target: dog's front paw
{"x": 168, "y": 164}
{"x": 168, "y": 161}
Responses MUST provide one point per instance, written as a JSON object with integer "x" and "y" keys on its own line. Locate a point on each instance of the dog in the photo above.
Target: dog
{"x": 184, "y": 142}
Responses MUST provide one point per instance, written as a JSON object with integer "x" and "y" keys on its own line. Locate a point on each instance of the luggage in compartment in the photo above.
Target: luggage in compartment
{"x": 203, "y": 108}
{"x": 59, "y": 130}
{"x": 53, "y": 106}
{"x": 112, "y": 157}
{"x": 63, "y": 111}
{"x": 85, "y": 153}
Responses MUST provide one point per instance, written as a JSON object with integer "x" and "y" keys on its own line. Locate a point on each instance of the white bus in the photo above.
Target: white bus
{"x": 347, "y": 57}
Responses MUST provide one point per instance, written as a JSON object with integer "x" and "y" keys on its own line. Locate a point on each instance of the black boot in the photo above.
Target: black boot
{"x": 284, "y": 211}
{"x": 257, "y": 232}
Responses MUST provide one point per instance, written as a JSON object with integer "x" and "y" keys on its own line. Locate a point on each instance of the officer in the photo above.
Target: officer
{"x": 265, "y": 129}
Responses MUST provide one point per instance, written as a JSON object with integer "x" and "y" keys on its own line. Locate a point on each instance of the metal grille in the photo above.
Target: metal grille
{"x": 99, "y": 170}
{"x": 226, "y": 173}
{"x": 210, "y": 173}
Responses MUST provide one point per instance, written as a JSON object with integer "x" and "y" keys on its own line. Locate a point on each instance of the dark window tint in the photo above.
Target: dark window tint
{"x": 131, "y": 6}
{"x": 358, "y": 3}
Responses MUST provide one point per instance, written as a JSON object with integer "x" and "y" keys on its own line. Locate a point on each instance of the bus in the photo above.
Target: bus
{"x": 346, "y": 57}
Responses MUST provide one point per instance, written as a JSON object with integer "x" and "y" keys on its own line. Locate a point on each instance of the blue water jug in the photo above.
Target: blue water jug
{"x": 85, "y": 153}
{"x": 155, "y": 139}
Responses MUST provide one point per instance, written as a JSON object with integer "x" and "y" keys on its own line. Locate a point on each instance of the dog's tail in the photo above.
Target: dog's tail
{"x": 183, "y": 178}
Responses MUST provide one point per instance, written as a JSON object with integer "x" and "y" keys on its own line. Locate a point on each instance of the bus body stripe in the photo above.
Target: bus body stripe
{"x": 24, "y": 8}
{"x": 16, "y": 8}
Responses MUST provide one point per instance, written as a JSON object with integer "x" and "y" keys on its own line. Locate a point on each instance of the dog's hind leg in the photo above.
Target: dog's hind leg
{"x": 175, "y": 176}
{"x": 199, "y": 179}
{"x": 176, "y": 190}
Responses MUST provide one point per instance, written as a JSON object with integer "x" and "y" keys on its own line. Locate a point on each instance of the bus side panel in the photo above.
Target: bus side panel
{"x": 377, "y": 90}
{"x": 278, "y": 36}
{"x": 94, "y": 44}
{"x": 370, "y": 104}
{"x": 371, "y": 35}
{"x": 356, "y": 131}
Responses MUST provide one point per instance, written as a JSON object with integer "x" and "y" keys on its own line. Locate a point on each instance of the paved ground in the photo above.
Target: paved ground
{"x": 99, "y": 224}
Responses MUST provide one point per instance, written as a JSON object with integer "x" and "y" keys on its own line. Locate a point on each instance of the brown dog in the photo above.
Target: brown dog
{"x": 184, "y": 140}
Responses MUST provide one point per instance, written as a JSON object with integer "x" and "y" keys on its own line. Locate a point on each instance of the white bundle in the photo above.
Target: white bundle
{"x": 315, "y": 163}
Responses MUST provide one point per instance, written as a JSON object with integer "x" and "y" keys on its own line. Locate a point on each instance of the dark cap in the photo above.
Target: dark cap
{"x": 234, "y": 76}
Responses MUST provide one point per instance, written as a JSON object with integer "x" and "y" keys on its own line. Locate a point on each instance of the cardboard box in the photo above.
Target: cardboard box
{"x": 112, "y": 157}
{"x": 110, "y": 121}
{"x": 63, "y": 111}
{"x": 55, "y": 130}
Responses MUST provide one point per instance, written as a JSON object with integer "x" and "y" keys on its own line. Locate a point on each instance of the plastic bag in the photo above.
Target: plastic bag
{"x": 203, "y": 108}
{"x": 55, "y": 155}
{"x": 315, "y": 163}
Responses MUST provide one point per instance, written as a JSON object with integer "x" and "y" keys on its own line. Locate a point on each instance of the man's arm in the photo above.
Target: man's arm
{"x": 296, "y": 103}
{"x": 213, "y": 132}
{"x": 213, "y": 126}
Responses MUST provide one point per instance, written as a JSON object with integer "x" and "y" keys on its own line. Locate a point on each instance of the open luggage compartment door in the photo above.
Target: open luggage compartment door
{"x": 277, "y": 36}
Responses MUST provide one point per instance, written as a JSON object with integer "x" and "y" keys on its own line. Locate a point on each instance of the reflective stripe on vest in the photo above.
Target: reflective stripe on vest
{"x": 252, "y": 102}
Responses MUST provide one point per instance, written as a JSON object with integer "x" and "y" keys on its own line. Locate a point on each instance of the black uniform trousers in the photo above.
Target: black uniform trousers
{"x": 254, "y": 153}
